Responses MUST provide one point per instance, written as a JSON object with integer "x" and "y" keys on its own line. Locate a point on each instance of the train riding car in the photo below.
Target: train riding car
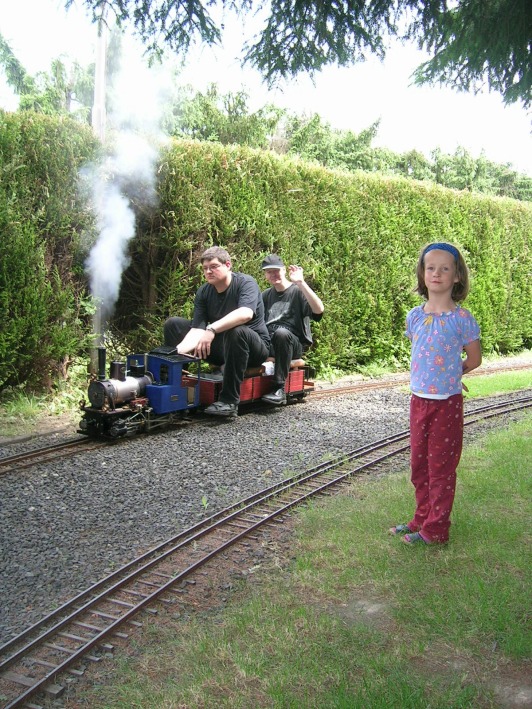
{"x": 158, "y": 388}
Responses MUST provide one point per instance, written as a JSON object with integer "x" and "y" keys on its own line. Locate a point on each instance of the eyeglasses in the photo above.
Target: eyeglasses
{"x": 212, "y": 267}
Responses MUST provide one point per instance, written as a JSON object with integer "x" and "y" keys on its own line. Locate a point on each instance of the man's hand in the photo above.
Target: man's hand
{"x": 203, "y": 348}
{"x": 296, "y": 274}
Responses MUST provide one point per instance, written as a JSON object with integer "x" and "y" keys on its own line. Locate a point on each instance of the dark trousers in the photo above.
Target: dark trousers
{"x": 285, "y": 347}
{"x": 436, "y": 433}
{"x": 236, "y": 349}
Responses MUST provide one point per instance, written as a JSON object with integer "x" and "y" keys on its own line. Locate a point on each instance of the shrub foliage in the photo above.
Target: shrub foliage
{"x": 42, "y": 295}
{"x": 357, "y": 237}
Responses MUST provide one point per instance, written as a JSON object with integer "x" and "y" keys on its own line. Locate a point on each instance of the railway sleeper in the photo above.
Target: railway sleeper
{"x": 87, "y": 626}
{"x": 52, "y": 690}
{"x": 238, "y": 526}
{"x": 70, "y": 636}
{"x": 164, "y": 576}
{"x": 119, "y": 603}
{"x": 50, "y": 665}
{"x": 131, "y": 592}
{"x": 151, "y": 584}
{"x": 101, "y": 614}
{"x": 274, "y": 524}
{"x": 249, "y": 520}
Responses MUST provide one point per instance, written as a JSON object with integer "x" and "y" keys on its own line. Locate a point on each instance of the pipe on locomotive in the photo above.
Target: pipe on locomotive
{"x": 101, "y": 364}
{"x": 117, "y": 370}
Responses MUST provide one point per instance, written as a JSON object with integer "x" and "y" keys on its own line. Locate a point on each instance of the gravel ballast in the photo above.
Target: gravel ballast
{"x": 67, "y": 524}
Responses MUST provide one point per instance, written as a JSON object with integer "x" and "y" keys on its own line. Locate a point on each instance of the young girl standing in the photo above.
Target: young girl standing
{"x": 440, "y": 331}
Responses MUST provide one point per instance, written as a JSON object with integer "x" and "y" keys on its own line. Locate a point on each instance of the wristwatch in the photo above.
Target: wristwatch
{"x": 211, "y": 329}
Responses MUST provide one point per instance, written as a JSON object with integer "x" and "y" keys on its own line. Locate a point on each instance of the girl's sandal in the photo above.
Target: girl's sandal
{"x": 399, "y": 529}
{"x": 414, "y": 538}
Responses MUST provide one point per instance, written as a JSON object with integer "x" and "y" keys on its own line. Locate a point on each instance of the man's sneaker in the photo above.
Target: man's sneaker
{"x": 219, "y": 408}
{"x": 277, "y": 398}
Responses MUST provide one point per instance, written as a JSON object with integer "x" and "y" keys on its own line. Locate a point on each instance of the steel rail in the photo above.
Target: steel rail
{"x": 195, "y": 531}
{"x": 283, "y": 496}
{"x": 191, "y": 533}
{"x": 258, "y": 508}
{"x": 402, "y": 380}
{"x": 46, "y": 453}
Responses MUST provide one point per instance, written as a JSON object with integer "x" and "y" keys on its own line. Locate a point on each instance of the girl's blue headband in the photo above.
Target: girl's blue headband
{"x": 443, "y": 247}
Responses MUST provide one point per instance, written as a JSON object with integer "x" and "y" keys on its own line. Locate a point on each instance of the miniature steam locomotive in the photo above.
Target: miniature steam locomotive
{"x": 156, "y": 389}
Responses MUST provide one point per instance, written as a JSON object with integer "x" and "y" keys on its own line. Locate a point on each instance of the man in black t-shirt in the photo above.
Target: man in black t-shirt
{"x": 289, "y": 305}
{"x": 227, "y": 327}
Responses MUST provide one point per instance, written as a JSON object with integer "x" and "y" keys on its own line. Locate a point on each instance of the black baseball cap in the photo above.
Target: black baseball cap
{"x": 272, "y": 261}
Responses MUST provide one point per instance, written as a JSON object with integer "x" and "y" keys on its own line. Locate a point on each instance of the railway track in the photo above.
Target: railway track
{"x": 80, "y": 630}
{"x": 61, "y": 450}
{"x": 403, "y": 380}
{"x": 48, "y": 453}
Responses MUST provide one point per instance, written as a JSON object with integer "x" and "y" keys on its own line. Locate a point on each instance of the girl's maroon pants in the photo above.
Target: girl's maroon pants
{"x": 436, "y": 434}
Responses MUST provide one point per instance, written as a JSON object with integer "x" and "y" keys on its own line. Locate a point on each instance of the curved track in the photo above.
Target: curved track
{"x": 72, "y": 446}
{"x": 36, "y": 658}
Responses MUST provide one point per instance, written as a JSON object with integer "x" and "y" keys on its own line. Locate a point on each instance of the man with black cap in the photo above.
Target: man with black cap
{"x": 289, "y": 305}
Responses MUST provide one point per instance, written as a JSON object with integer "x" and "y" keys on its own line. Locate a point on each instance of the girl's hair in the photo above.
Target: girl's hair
{"x": 461, "y": 288}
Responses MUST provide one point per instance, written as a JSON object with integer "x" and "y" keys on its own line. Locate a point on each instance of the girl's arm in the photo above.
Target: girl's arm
{"x": 473, "y": 357}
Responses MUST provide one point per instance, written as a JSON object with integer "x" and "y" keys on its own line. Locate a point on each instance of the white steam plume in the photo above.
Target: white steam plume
{"x": 128, "y": 171}
{"x": 108, "y": 257}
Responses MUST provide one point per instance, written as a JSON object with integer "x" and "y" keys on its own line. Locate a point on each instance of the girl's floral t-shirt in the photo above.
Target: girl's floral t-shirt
{"x": 437, "y": 345}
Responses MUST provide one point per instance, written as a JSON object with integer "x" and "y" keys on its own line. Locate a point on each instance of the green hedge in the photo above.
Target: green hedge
{"x": 42, "y": 287}
{"x": 356, "y": 236}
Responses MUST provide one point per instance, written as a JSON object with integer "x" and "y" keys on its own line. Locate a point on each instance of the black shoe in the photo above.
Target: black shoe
{"x": 216, "y": 376}
{"x": 277, "y": 398}
{"x": 219, "y": 408}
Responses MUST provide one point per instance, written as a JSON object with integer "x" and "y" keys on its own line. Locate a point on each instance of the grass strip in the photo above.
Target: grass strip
{"x": 360, "y": 619}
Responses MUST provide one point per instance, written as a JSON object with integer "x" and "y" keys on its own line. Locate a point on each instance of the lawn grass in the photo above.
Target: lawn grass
{"x": 497, "y": 383}
{"x": 360, "y": 620}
